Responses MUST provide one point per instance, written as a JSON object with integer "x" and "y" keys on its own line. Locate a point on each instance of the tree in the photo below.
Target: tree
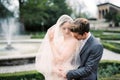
{"x": 113, "y": 16}
{"x": 117, "y": 19}
{"x": 39, "y": 15}
{"x": 4, "y": 12}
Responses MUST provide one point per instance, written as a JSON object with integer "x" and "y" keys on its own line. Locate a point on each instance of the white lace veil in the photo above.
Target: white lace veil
{"x": 45, "y": 56}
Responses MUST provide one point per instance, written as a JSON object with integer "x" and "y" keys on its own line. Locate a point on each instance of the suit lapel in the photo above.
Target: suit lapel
{"x": 86, "y": 45}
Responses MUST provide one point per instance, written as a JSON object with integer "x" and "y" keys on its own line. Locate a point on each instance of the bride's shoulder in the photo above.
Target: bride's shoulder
{"x": 73, "y": 41}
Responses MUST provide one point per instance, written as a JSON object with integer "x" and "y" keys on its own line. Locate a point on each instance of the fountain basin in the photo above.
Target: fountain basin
{"x": 23, "y": 53}
{"x": 17, "y": 60}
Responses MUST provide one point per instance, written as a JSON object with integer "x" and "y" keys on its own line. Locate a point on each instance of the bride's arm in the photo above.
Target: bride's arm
{"x": 63, "y": 55}
{"x": 68, "y": 51}
{"x": 53, "y": 47}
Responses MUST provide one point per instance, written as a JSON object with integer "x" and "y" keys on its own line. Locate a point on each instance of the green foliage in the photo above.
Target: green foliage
{"x": 109, "y": 45}
{"x": 28, "y": 75}
{"x": 99, "y": 33}
{"x": 4, "y": 12}
{"x": 110, "y": 78}
{"x": 112, "y": 46}
{"x": 109, "y": 37}
{"x": 39, "y": 15}
{"x": 108, "y": 68}
{"x": 112, "y": 31}
{"x": 110, "y": 16}
{"x": 117, "y": 19}
{"x": 38, "y": 35}
{"x": 113, "y": 16}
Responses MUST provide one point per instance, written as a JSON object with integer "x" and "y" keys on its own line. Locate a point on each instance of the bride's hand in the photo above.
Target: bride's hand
{"x": 50, "y": 34}
{"x": 61, "y": 71}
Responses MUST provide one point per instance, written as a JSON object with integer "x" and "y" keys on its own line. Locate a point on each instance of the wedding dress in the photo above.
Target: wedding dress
{"x": 44, "y": 58}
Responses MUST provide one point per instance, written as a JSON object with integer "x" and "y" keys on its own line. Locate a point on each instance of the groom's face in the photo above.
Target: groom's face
{"x": 79, "y": 36}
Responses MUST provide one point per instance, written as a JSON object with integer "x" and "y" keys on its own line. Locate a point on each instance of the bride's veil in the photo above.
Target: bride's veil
{"x": 43, "y": 62}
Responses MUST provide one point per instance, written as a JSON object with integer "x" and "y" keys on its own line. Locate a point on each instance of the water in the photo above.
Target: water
{"x": 15, "y": 51}
{"x": 10, "y": 25}
{"x": 10, "y": 28}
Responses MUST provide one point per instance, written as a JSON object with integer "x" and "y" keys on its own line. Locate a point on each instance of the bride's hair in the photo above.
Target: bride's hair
{"x": 63, "y": 19}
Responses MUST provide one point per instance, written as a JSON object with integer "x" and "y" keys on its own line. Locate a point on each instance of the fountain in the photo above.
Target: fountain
{"x": 13, "y": 50}
{"x": 9, "y": 28}
{"x": 9, "y": 25}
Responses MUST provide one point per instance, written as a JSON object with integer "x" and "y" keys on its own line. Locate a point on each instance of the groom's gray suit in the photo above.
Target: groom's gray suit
{"x": 90, "y": 56}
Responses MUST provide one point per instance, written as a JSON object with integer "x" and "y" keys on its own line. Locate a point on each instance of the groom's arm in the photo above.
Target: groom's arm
{"x": 90, "y": 65}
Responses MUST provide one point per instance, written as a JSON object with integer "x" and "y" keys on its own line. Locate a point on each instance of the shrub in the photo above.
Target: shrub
{"x": 28, "y": 75}
{"x": 38, "y": 35}
{"x": 112, "y": 31}
{"x": 108, "y": 68}
{"x": 112, "y": 46}
{"x": 109, "y": 37}
{"x": 99, "y": 33}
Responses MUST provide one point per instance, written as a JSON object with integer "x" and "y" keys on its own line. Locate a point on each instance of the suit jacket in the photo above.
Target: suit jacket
{"x": 90, "y": 56}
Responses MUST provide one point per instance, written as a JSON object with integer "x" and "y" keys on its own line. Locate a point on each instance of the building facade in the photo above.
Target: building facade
{"x": 105, "y": 8}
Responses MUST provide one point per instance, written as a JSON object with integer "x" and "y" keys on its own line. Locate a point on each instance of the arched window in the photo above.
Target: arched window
{"x": 103, "y": 13}
{"x": 106, "y": 11}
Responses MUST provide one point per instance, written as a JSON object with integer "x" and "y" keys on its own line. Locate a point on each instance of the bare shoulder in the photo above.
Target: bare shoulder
{"x": 73, "y": 42}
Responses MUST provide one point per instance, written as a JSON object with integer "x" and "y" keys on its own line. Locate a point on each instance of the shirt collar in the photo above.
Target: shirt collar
{"x": 89, "y": 34}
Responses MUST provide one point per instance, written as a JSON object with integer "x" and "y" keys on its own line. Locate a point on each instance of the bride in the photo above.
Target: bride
{"x": 58, "y": 51}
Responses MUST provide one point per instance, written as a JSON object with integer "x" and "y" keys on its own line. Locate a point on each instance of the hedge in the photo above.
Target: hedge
{"x": 112, "y": 46}
{"x": 99, "y": 33}
{"x": 106, "y": 69}
{"x": 114, "y": 77}
{"x": 110, "y": 37}
{"x": 27, "y": 75}
{"x": 38, "y": 35}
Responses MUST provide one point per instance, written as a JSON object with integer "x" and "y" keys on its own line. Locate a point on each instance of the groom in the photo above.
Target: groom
{"x": 90, "y": 52}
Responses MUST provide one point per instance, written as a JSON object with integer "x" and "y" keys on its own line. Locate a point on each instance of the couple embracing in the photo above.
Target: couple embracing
{"x": 69, "y": 51}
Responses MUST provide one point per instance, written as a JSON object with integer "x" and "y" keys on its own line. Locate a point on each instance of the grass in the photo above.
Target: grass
{"x": 38, "y": 35}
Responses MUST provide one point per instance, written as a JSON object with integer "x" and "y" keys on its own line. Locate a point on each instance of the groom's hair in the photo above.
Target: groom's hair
{"x": 81, "y": 25}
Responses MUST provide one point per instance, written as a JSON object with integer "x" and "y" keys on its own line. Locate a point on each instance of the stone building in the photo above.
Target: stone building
{"x": 106, "y": 8}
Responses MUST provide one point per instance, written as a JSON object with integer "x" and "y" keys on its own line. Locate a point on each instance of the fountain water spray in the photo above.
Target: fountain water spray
{"x": 10, "y": 25}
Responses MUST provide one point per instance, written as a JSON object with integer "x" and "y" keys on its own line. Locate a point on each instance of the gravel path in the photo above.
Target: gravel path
{"x": 109, "y": 55}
